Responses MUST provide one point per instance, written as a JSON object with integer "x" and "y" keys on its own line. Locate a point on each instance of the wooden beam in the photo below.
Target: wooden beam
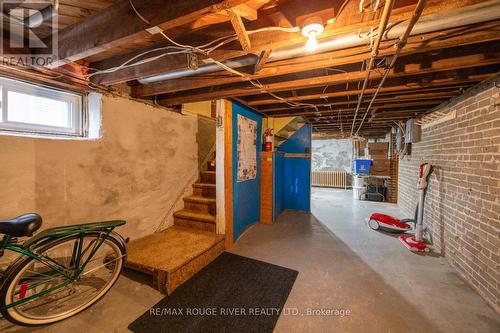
{"x": 416, "y": 44}
{"x": 402, "y": 70}
{"x": 380, "y": 99}
{"x": 386, "y": 97}
{"x": 228, "y": 173}
{"x": 378, "y": 120}
{"x": 382, "y": 106}
{"x": 325, "y": 111}
{"x": 119, "y": 24}
{"x": 260, "y": 41}
{"x": 398, "y": 90}
{"x": 239, "y": 29}
{"x": 261, "y": 62}
{"x": 246, "y": 11}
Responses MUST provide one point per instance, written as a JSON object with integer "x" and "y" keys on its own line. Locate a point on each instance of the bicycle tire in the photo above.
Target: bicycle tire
{"x": 14, "y": 270}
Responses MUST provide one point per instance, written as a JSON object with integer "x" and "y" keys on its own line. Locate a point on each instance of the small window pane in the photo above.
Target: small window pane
{"x": 30, "y": 109}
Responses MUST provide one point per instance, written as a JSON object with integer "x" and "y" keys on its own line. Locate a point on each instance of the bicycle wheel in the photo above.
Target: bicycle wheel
{"x": 30, "y": 277}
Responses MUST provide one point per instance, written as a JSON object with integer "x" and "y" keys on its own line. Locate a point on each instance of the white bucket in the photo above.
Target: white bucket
{"x": 358, "y": 188}
{"x": 358, "y": 192}
{"x": 359, "y": 182}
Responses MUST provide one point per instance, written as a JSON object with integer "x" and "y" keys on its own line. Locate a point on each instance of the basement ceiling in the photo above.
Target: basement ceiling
{"x": 127, "y": 41}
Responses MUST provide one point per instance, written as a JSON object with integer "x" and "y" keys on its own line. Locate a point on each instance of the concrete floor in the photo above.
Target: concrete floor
{"x": 342, "y": 264}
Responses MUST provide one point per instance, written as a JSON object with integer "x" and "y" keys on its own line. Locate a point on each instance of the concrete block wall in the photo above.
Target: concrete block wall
{"x": 462, "y": 207}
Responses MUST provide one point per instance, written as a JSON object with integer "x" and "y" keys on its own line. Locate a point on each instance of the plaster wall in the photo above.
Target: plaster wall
{"x": 145, "y": 159}
{"x": 200, "y": 108}
{"x": 332, "y": 155}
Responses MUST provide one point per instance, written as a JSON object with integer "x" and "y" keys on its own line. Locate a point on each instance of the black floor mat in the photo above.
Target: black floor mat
{"x": 232, "y": 294}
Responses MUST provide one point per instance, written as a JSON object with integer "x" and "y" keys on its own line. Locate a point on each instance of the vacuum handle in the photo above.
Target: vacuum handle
{"x": 425, "y": 170}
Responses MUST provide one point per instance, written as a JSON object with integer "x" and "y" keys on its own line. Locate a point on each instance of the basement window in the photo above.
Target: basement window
{"x": 41, "y": 111}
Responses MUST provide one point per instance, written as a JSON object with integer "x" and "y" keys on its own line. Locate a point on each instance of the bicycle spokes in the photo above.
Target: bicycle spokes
{"x": 86, "y": 267}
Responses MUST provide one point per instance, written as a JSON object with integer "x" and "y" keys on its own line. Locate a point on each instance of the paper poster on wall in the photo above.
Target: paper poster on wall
{"x": 247, "y": 149}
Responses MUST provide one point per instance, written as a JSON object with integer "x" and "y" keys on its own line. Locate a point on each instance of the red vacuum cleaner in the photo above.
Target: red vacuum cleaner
{"x": 388, "y": 223}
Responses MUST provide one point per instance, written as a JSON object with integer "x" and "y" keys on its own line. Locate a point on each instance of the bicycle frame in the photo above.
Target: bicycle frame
{"x": 29, "y": 249}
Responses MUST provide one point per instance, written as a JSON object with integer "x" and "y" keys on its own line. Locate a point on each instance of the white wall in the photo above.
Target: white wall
{"x": 135, "y": 172}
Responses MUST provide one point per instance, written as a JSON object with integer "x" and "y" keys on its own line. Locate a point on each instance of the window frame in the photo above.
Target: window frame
{"x": 78, "y": 113}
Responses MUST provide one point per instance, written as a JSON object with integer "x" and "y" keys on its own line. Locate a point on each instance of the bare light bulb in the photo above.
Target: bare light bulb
{"x": 312, "y": 42}
{"x": 313, "y": 27}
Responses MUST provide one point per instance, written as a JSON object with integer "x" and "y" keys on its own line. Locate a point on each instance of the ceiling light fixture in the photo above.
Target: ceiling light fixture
{"x": 313, "y": 26}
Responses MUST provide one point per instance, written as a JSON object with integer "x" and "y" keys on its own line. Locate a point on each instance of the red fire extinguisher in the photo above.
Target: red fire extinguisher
{"x": 268, "y": 140}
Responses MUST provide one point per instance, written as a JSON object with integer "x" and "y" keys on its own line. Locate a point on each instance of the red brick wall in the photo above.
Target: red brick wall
{"x": 462, "y": 205}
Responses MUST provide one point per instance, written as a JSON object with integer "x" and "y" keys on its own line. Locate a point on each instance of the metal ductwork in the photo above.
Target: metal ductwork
{"x": 39, "y": 17}
{"x": 483, "y": 12}
{"x": 36, "y": 19}
{"x": 249, "y": 60}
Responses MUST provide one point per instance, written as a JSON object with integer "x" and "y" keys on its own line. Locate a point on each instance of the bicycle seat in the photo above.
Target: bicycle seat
{"x": 24, "y": 225}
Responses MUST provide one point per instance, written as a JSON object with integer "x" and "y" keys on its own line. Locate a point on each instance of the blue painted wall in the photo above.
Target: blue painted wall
{"x": 246, "y": 195}
{"x": 297, "y": 184}
{"x": 300, "y": 142}
{"x": 295, "y": 176}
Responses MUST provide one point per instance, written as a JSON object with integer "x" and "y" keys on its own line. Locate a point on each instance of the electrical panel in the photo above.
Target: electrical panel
{"x": 413, "y": 132}
{"x": 399, "y": 139}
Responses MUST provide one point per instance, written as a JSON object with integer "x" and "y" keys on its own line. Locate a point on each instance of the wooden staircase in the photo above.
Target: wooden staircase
{"x": 174, "y": 255}
{"x": 288, "y": 130}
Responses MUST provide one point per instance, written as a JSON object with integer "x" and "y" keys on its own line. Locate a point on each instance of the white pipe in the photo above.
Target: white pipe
{"x": 39, "y": 17}
{"x": 210, "y": 68}
{"x": 482, "y": 12}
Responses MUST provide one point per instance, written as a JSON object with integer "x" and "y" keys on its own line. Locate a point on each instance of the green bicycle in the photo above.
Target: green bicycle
{"x": 60, "y": 271}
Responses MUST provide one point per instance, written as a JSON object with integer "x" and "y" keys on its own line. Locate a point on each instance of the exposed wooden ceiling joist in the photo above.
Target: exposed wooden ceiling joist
{"x": 351, "y": 110}
{"x": 379, "y": 101}
{"x": 259, "y": 42}
{"x": 433, "y": 67}
{"x": 416, "y": 44}
{"x": 397, "y": 89}
{"x": 239, "y": 29}
{"x": 448, "y": 60}
{"x": 120, "y": 24}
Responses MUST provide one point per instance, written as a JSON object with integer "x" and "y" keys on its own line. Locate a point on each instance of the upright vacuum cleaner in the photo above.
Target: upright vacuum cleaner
{"x": 415, "y": 243}
{"x": 390, "y": 224}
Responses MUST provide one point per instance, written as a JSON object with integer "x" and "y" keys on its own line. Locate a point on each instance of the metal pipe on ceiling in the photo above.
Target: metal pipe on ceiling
{"x": 249, "y": 60}
{"x": 374, "y": 54}
{"x": 478, "y": 13}
{"x": 39, "y": 17}
{"x": 35, "y": 20}
{"x": 399, "y": 46}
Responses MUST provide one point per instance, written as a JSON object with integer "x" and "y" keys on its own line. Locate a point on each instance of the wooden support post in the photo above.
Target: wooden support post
{"x": 264, "y": 55}
{"x": 228, "y": 172}
{"x": 240, "y": 30}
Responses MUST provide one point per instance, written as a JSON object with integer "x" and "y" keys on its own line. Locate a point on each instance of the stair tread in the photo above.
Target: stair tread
{"x": 192, "y": 215}
{"x": 169, "y": 249}
{"x": 204, "y": 185}
{"x": 290, "y": 128}
{"x": 199, "y": 199}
